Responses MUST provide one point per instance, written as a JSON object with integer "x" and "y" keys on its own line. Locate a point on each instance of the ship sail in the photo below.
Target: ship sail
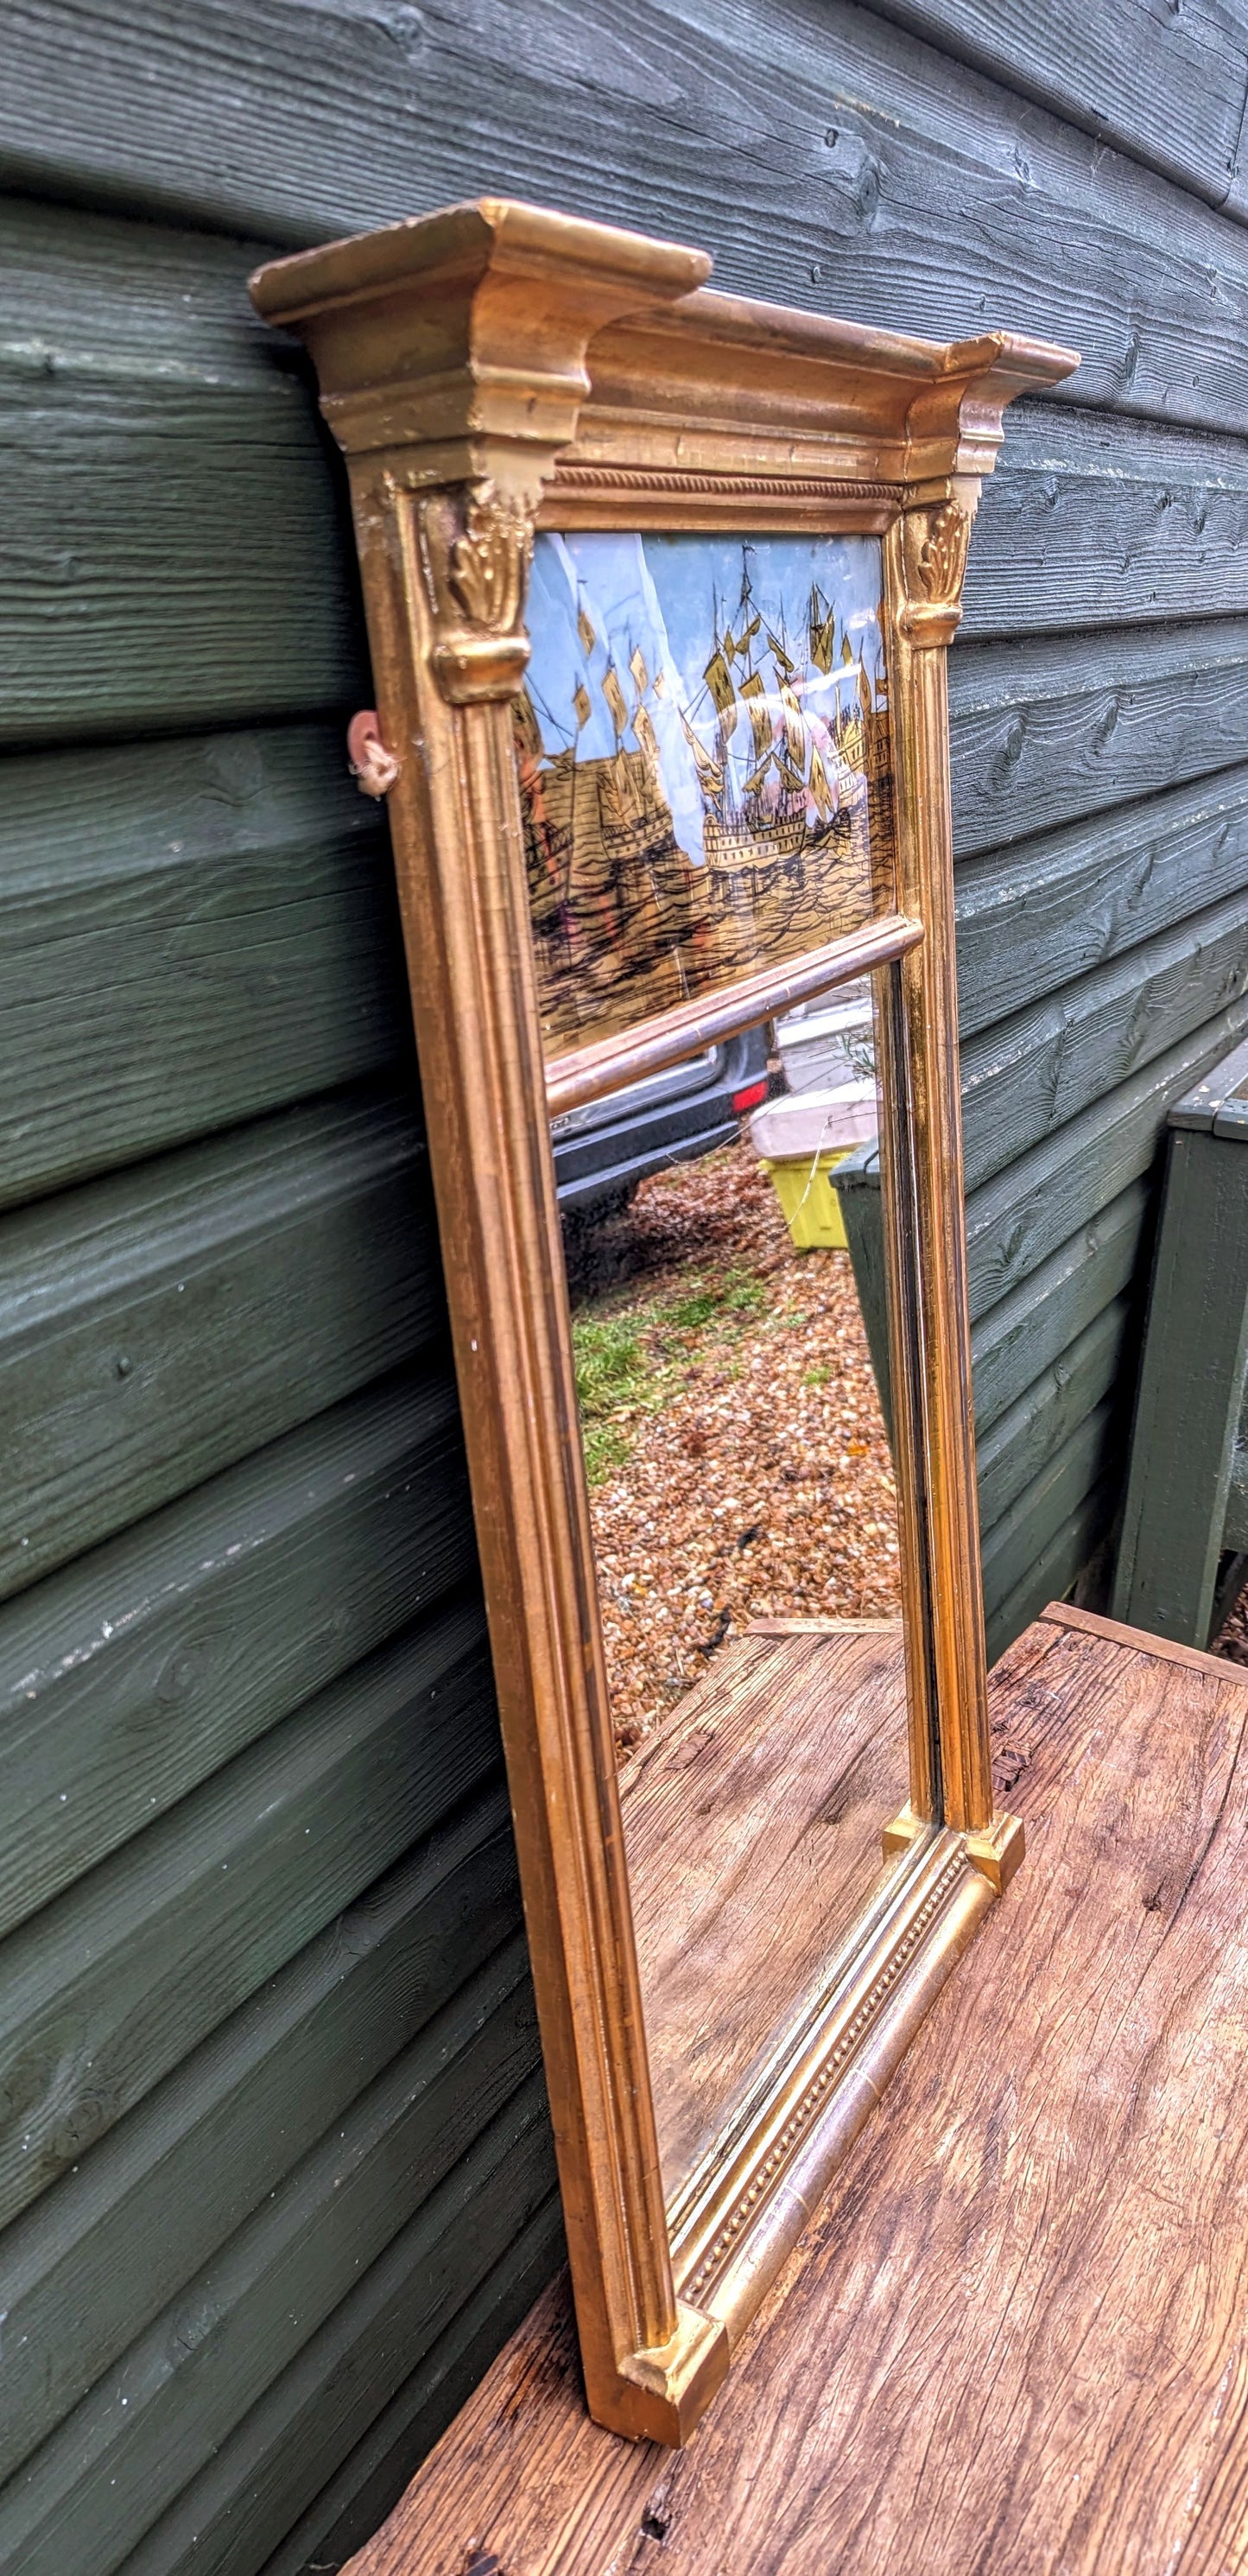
{"x": 775, "y": 812}
{"x": 616, "y": 700}
{"x": 710, "y": 772}
{"x": 819, "y": 787}
{"x": 794, "y": 726}
{"x": 753, "y": 693}
{"x": 718, "y": 679}
{"x": 821, "y": 631}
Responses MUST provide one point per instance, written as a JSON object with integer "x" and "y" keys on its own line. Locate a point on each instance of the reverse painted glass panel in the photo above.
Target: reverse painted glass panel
{"x": 705, "y": 767}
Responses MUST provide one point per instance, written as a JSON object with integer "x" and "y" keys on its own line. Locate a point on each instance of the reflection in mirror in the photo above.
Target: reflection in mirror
{"x": 704, "y": 760}
{"x": 740, "y": 1485}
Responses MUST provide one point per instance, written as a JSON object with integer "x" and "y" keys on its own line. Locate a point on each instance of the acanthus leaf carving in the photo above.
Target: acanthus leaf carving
{"x": 942, "y": 554}
{"x": 477, "y": 550}
{"x": 934, "y": 544}
{"x": 489, "y": 563}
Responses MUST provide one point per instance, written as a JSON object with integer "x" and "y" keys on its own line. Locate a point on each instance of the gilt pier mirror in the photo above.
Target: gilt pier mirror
{"x": 659, "y": 586}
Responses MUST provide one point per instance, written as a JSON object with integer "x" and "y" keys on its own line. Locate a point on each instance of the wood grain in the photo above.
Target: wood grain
{"x": 109, "y": 1990}
{"x": 102, "y": 2253}
{"x": 224, "y": 1611}
{"x": 1066, "y": 1551}
{"x": 1033, "y": 1073}
{"x": 1035, "y": 918}
{"x": 342, "y": 2392}
{"x": 148, "y": 2427}
{"x": 1032, "y": 1325}
{"x": 781, "y": 1769}
{"x": 1015, "y": 1220}
{"x": 1012, "y": 2329}
{"x": 352, "y": 2503}
{"x": 1093, "y": 1448}
{"x": 158, "y": 1325}
{"x": 1053, "y": 1356}
{"x": 1098, "y": 523}
{"x": 1165, "y": 86}
{"x": 866, "y": 172}
{"x": 1043, "y": 729}
{"x": 1166, "y": 1650}
{"x": 1092, "y": 1365}
{"x": 195, "y": 931}
{"x": 131, "y": 612}
{"x": 173, "y": 561}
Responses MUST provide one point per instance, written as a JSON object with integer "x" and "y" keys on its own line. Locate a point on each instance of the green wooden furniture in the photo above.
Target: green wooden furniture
{"x": 1183, "y": 1555}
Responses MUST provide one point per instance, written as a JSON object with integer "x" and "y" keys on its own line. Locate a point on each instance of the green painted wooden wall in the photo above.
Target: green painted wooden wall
{"x": 275, "y": 2172}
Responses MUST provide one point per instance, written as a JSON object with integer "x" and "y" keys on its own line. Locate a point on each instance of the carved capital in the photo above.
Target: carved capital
{"x": 934, "y": 540}
{"x": 477, "y": 546}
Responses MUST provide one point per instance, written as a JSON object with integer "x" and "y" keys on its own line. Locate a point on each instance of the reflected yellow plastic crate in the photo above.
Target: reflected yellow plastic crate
{"x": 812, "y": 1210}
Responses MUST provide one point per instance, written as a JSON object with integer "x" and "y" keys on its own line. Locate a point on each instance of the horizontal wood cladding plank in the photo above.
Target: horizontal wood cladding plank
{"x": 1027, "y": 1211}
{"x": 1087, "y": 522}
{"x": 142, "y": 1667}
{"x": 1168, "y": 86}
{"x": 85, "y": 2270}
{"x": 155, "y": 2421}
{"x": 173, "y": 540}
{"x": 1044, "y": 1358}
{"x": 1093, "y": 1454}
{"x": 437, "y": 2296}
{"x": 1030, "y": 1074}
{"x": 352, "y": 2505}
{"x": 1091, "y": 521}
{"x": 171, "y": 514}
{"x": 1046, "y": 729}
{"x": 1051, "y": 1407}
{"x": 1061, "y": 1558}
{"x": 1033, "y": 1325}
{"x": 195, "y": 931}
{"x": 103, "y": 301}
{"x": 866, "y": 173}
{"x": 170, "y": 558}
{"x": 111, "y": 1986}
{"x": 1037, "y": 917}
{"x": 158, "y": 1325}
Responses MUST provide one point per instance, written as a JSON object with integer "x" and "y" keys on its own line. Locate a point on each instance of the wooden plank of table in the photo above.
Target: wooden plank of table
{"x": 779, "y": 1773}
{"x": 1013, "y": 2331}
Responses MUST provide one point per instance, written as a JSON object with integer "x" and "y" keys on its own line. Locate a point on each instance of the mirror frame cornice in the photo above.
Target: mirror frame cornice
{"x": 490, "y": 371}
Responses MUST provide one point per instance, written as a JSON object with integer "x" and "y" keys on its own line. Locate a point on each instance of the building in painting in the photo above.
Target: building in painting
{"x": 276, "y": 2168}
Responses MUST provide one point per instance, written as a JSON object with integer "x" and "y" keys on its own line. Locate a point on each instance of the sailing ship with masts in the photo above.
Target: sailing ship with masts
{"x": 626, "y": 922}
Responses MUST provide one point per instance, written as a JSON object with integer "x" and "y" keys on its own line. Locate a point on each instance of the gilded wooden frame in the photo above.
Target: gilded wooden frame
{"x": 489, "y": 371}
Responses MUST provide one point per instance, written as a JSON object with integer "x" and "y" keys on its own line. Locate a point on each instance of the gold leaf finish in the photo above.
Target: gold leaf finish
{"x": 489, "y": 369}
{"x": 489, "y": 563}
{"x": 934, "y": 546}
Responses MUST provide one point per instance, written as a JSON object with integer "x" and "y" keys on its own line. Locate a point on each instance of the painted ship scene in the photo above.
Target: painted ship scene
{"x": 704, "y": 763}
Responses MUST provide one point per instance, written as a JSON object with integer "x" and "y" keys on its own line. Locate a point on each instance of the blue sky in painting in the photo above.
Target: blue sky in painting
{"x": 668, "y": 598}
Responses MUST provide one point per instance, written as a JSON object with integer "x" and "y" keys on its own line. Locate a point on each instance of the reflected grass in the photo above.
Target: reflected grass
{"x": 630, "y": 1363}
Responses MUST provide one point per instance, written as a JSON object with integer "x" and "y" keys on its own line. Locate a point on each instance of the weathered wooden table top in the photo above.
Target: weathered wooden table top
{"x": 1016, "y": 2334}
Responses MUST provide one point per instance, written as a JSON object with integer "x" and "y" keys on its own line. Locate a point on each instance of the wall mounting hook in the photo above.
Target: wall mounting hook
{"x": 373, "y": 768}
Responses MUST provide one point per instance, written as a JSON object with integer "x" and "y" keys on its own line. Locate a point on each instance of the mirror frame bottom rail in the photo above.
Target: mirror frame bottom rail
{"x": 490, "y": 371}
{"x": 738, "y": 2218}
